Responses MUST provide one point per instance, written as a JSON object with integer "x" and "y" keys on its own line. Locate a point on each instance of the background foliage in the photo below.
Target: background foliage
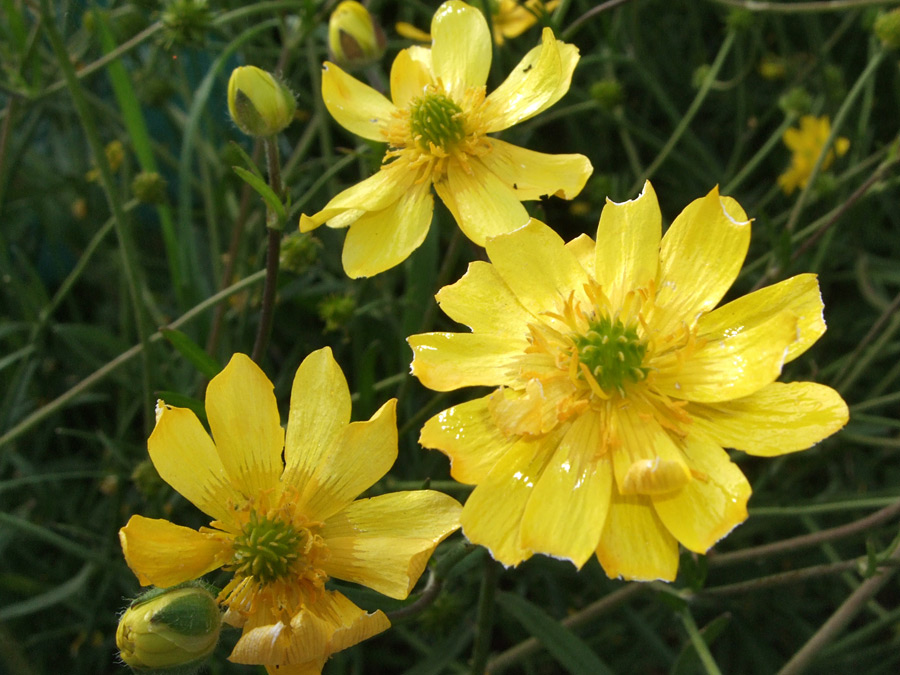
{"x": 93, "y": 282}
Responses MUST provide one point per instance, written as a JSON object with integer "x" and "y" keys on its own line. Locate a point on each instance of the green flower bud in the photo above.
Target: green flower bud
{"x": 797, "y": 101}
{"x": 259, "y": 104}
{"x": 149, "y": 188}
{"x": 170, "y": 630}
{"x": 336, "y": 311}
{"x": 185, "y": 22}
{"x": 887, "y": 29}
{"x": 299, "y": 251}
{"x": 607, "y": 92}
{"x": 355, "y": 40}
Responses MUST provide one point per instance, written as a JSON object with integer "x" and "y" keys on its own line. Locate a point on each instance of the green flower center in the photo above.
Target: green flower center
{"x": 267, "y": 548}
{"x": 613, "y": 353}
{"x": 435, "y": 120}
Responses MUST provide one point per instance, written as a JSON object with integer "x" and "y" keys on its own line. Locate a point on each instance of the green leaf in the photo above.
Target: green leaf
{"x": 267, "y": 193}
{"x": 688, "y": 660}
{"x": 248, "y": 160}
{"x": 564, "y": 646}
{"x": 193, "y": 352}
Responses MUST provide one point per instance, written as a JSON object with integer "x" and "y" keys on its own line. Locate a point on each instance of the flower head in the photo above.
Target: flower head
{"x": 436, "y": 127}
{"x": 259, "y": 104}
{"x": 284, "y": 515}
{"x": 511, "y": 18}
{"x": 807, "y": 143}
{"x": 620, "y": 383}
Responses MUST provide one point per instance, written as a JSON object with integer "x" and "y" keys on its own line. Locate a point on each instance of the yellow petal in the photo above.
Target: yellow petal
{"x": 447, "y": 361}
{"x": 567, "y": 508}
{"x": 540, "y": 79}
{"x": 528, "y": 412}
{"x": 729, "y": 367}
{"x": 536, "y": 265}
{"x": 583, "y": 248}
{"x": 185, "y": 457}
{"x": 163, "y": 554}
{"x": 799, "y": 295}
{"x": 700, "y": 257}
{"x": 353, "y": 625}
{"x": 320, "y": 409}
{"x": 711, "y": 505}
{"x": 469, "y": 437}
{"x": 243, "y": 417}
{"x": 385, "y": 542}
{"x": 461, "y": 47}
{"x": 492, "y": 515}
{"x": 382, "y": 190}
{"x": 635, "y": 545}
{"x": 410, "y": 74}
{"x": 533, "y": 175}
{"x": 482, "y": 301}
{"x": 354, "y": 105}
{"x": 627, "y": 251}
{"x": 646, "y": 459}
{"x": 482, "y": 204}
{"x": 362, "y": 453}
{"x": 777, "y": 419}
{"x": 380, "y": 240}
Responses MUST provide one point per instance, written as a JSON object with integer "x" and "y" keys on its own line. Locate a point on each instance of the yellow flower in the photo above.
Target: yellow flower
{"x": 511, "y": 18}
{"x": 284, "y": 515}
{"x": 807, "y": 144}
{"x": 619, "y": 386}
{"x": 436, "y": 128}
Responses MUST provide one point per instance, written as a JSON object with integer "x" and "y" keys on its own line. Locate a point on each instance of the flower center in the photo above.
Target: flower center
{"x": 437, "y": 121}
{"x": 267, "y": 548}
{"x": 612, "y": 353}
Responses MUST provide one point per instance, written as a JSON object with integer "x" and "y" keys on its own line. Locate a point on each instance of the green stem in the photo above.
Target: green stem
{"x": 759, "y": 156}
{"x": 485, "y": 621}
{"x": 699, "y": 643}
{"x": 782, "y": 7}
{"x": 688, "y": 117}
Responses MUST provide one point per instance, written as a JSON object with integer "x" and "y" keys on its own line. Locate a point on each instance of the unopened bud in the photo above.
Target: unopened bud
{"x": 355, "y": 39}
{"x": 259, "y": 104}
{"x": 887, "y": 29}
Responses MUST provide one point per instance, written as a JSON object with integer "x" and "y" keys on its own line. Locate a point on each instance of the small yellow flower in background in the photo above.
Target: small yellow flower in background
{"x": 619, "y": 386}
{"x": 355, "y": 40}
{"x": 509, "y": 19}
{"x": 806, "y": 142}
{"x": 437, "y": 128}
{"x": 285, "y": 526}
{"x": 115, "y": 155}
{"x": 165, "y": 629}
{"x": 259, "y": 104}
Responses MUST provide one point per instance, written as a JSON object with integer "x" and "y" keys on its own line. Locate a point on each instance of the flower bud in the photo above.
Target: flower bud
{"x": 355, "y": 40}
{"x": 259, "y": 104}
{"x": 149, "y": 188}
{"x": 169, "y": 630}
{"x": 887, "y": 29}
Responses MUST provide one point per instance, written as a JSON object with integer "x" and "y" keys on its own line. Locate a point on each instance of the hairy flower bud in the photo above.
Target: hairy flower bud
{"x": 259, "y": 104}
{"x": 355, "y": 39}
{"x": 169, "y": 630}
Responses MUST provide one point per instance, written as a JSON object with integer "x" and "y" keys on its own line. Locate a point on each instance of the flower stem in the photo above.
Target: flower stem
{"x": 273, "y": 251}
{"x": 485, "y": 620}
{"x": 709, "y": 664}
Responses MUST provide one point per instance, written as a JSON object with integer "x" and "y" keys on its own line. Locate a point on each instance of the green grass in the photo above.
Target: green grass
{"x": 91, "y": 280}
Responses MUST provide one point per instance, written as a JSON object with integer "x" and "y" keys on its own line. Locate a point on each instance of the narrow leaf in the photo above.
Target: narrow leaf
{"x": 193, "y": 352}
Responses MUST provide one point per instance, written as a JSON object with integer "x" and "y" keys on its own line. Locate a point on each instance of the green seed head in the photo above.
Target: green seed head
{"x": 436, "y": 120}
{"x": 266, "y": 549}
{"x": 613, "y": 353}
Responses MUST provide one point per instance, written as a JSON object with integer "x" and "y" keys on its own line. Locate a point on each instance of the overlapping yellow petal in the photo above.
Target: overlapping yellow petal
{"x": 711, "y": 505}
{"x": 384, "y": 542}
{"x": 482, "y": 204}
{"x": 446, "y": 361}
{"x": 185, "y": 457}
{"x": 382, "y": 239}
{"x": 778, "y": 419}
{"x": 356, "y": 106}
{"x": 573, "y": 488}
{"x": 467, "y": 434}
{"x": 461, "y": 47}
{"x": 540, "y": 79}
{"x": 320, "y": 409}
{"x": 798, "y": 295}
{"x": 163, "y": 554}
{"x": 627, "y": 251}
{"x": 243, "y": 417}
{"x": 342, "y": 475}
{"x": 699, "y": 258}
{"x": 635, "y": 545}
{"x": 732, "y": 366}
{"x": 492, "y": 515}
{"x": 536, "y": 265}
{"x": 645, "y": 458}
{"x": 534, "y": 175}
{"x": 410, "y": 74}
